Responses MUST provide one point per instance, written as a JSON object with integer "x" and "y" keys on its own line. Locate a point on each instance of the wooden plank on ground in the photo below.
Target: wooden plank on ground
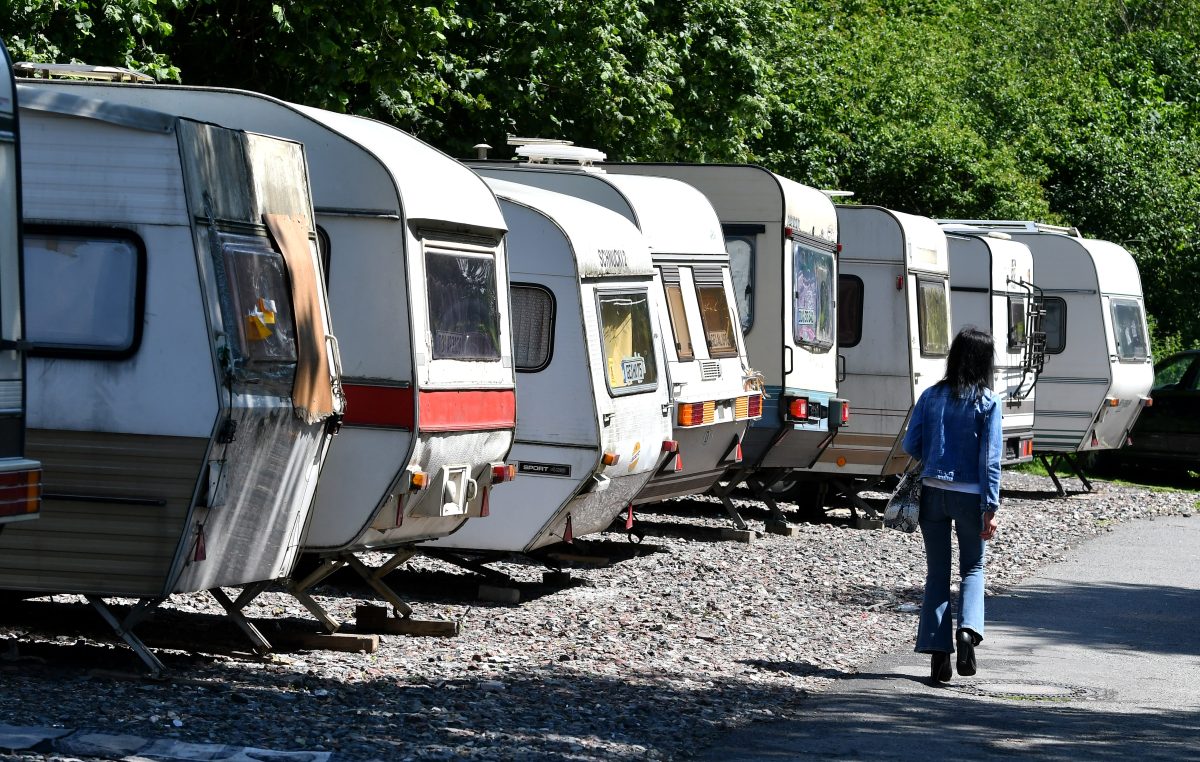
{"x": 376, "y": 619}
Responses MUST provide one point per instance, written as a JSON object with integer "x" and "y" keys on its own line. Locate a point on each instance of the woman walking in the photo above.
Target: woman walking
{"x": 954, "y": 432}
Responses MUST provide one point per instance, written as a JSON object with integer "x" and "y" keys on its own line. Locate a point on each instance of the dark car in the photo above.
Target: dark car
{"x": 1167, "y": 434}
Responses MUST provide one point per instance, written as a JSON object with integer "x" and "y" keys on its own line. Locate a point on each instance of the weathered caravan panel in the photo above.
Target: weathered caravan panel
{"x": 412, "y": 246}
{"x": 20, "y": 478}
{"x": 714, "y": 391}
{"x": 893, "y": 333}
{"x": 992, "y": 288}
{"x": 182, "y": 378}
{"x": 1098, "y": 369}
{"x": 592, "y": 396}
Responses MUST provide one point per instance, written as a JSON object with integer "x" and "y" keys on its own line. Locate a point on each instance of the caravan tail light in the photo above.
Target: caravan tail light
{"x": 1027, "y": 448}
{"x": 1147, "y": 401}
{"x": 20, "y": 493}
{"x": 502, "y": 472}
{"x": 610, "y": 458}
{"x": 670, "y": 445}
{"x": 845, "y": 413}
{"x": 697, "y": 413}
{"x": 797, "y": 409}
{"x": 749, "y": 406}
{"x": 1112, "y": 401}
{"x": 754, "y": 408}
{"x": 418, "y": 480}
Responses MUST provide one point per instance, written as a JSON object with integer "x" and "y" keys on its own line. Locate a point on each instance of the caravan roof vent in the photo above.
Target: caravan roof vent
{"x": 79, "y": 71}
{"x": 837, "y": 193}
{"x": 557, "y": 153}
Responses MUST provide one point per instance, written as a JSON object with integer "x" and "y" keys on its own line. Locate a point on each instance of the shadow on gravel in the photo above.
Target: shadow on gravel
{"x": 796, "y": 668}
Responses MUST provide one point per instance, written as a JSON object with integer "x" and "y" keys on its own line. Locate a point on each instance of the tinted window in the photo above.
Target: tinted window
{"x": 625, "y": 327}
{"x": 849, "y": 310}
{"x": 1170, "y": 373}
{"x": 533, "y": 326}
{"x": 717, "y": 321}
{"x": 933, "y": 317}
{"x": 741, "y": 271}
{"x": 464, "y": 314}
{"x": 1129, "y": 330}
{"x": 83, "y": 292}
{"x": 812, "y": 296}
{"x": 1054, "y": 324}
{"x": 1016, "y": 323}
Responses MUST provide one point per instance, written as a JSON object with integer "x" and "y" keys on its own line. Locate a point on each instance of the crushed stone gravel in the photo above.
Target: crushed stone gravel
{"x": 649, "y": 657}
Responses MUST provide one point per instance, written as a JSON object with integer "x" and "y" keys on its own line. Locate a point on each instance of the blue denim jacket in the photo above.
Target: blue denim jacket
{"x": 958, "y": 440}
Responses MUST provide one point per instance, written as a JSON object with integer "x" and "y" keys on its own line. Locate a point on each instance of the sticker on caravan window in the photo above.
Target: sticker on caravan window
{"x": 633, "y": 369}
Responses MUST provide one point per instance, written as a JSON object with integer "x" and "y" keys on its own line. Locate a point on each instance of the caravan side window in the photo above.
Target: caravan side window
{"x": 933, "y": 317}
{"x": 84, "y": 291}
{"x": 1129, "y": 330}
{"x": 715, "y": 315}
{"x": 629, "y": 361}
{"x": 741, "y": 243}
{"x": 1016, "y": 323}
{"x": 1054, "y": 324}
{"x": 464, "y": 313}
{"x": 533, "y": 326}
{"x": 812, "y": 297}
{"x": 849, "y": 310}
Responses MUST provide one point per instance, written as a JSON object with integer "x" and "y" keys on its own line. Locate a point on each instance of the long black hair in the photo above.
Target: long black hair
{"x": 969, "y": 365}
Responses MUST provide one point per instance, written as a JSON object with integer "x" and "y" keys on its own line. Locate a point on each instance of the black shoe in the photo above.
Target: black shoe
{"x": 939, "y": 667}
{"x": 966, "y": 652}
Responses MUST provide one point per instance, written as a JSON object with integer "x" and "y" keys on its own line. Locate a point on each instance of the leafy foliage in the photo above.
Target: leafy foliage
{"x": 1081, "y": 112}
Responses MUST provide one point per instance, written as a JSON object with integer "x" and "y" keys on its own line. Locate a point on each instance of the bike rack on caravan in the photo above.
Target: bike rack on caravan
{"x": 412, "y": 243}
{"x": 782, "y": 242}
{"x": 1098, "y": 370}
{"x": 893, "y": 338}
{"x": 992, "y": 288}
{"x": 714, "y": 392}
{"x": 20, "y": 478}
{"x": 187, "y": 386}
{"x": 593, "y": 399}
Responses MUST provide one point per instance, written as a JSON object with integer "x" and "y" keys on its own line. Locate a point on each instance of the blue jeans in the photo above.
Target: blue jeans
{"x": 938, "y": 508}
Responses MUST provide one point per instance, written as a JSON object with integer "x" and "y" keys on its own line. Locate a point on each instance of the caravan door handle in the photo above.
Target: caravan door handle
{"x": 787, "y": 359}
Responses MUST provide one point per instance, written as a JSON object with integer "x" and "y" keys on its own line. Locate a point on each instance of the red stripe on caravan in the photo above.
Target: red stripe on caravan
{"x": 383, "y": 406}
{"x": 473, "y": 410}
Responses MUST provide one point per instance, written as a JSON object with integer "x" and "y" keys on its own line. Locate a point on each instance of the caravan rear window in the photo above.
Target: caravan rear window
{"x": 1016, "y": 323}
{"x": 261, "y": 299}
{"x": 533, "y": 326}
{"x": 741, "y": 248}
{"x": 715, "y": 316}
{"x": 629, "y": 364}
{"x": 84, "y": 292}
{"x": 812, "y": 297}
{"x": 849, "y": 310}
{"x": 679, "y": 322}
{"x": 933, "y": 317}
{"x": 1129, "y": 330}
{"x": 1054, "y": 324}
{"x": 464, "y": 314}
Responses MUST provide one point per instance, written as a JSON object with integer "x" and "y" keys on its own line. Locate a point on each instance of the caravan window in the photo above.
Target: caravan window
{"x": 629, "y": 363}
{"x": 933, "y": 317}
{"x": 680, "y": 331}
{"x": 715, "y": 315}
{"x": 741, "y": 247}
{"x": 533, "y": 326}
{"x": 261, "y": 300}
{"x": 1016, "y": 323}
{"x": 464, "y": 315}
{"x": 849, "y": 310}
{"x": 1129, "y": 330}
{"x": 812, "y": 296}
{"x": 84, "y": 291}
{"x": 1054, "y": 324}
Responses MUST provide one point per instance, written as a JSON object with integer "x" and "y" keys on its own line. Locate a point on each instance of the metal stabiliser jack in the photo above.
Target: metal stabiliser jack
{"x": 1055, "y": 462}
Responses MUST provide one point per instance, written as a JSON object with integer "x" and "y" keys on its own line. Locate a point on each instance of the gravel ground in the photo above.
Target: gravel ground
{"x": 648, "y": 657}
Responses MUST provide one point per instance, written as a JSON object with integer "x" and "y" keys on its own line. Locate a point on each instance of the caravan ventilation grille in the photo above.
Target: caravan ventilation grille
{"x": 709, "y": 370}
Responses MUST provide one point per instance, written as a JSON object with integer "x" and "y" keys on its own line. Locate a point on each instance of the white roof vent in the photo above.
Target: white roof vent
{"x": 560, "y": 153}
{"x": 79, "y": 71}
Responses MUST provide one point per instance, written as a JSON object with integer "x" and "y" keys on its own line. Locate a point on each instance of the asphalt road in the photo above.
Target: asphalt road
{"x": 1096, "y": 658}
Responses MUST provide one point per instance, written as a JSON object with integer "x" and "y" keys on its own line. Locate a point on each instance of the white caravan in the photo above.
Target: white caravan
{"x": 412, "y": 242}
{"x": 714, "y": 391}
{"x": 184, "y": 384}
{"x": 992, "y": 289}
{"x": 593, "y": 402}
{"x": 1098, "y": 370}
{"x": 20, "y": 478}
{"x": 893, "y": 337}
{"x": 782, "y": 239}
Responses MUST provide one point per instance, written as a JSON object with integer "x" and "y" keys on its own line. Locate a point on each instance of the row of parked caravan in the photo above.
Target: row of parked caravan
{"x": 510, "y": 354}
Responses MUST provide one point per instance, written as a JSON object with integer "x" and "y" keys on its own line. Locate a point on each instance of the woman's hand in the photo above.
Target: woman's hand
{"x": 990, "y": 524}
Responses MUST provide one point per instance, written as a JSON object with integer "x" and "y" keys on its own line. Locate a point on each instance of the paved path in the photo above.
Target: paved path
{"x": 1095, "y": 658}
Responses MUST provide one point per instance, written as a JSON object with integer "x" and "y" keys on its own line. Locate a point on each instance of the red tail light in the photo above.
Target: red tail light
{"x": 845, "y": 413}
{"x": 755, "y": 407}
{"x": 798, "y": 409}
{"x": 20, "y": 492}
{"x": 697, "y": 413}
{"x": 670, "y": 445}
{"x": 502, "y": 472}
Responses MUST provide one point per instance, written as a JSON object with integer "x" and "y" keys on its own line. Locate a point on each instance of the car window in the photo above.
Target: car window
{"x": 1171, "y": 372}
